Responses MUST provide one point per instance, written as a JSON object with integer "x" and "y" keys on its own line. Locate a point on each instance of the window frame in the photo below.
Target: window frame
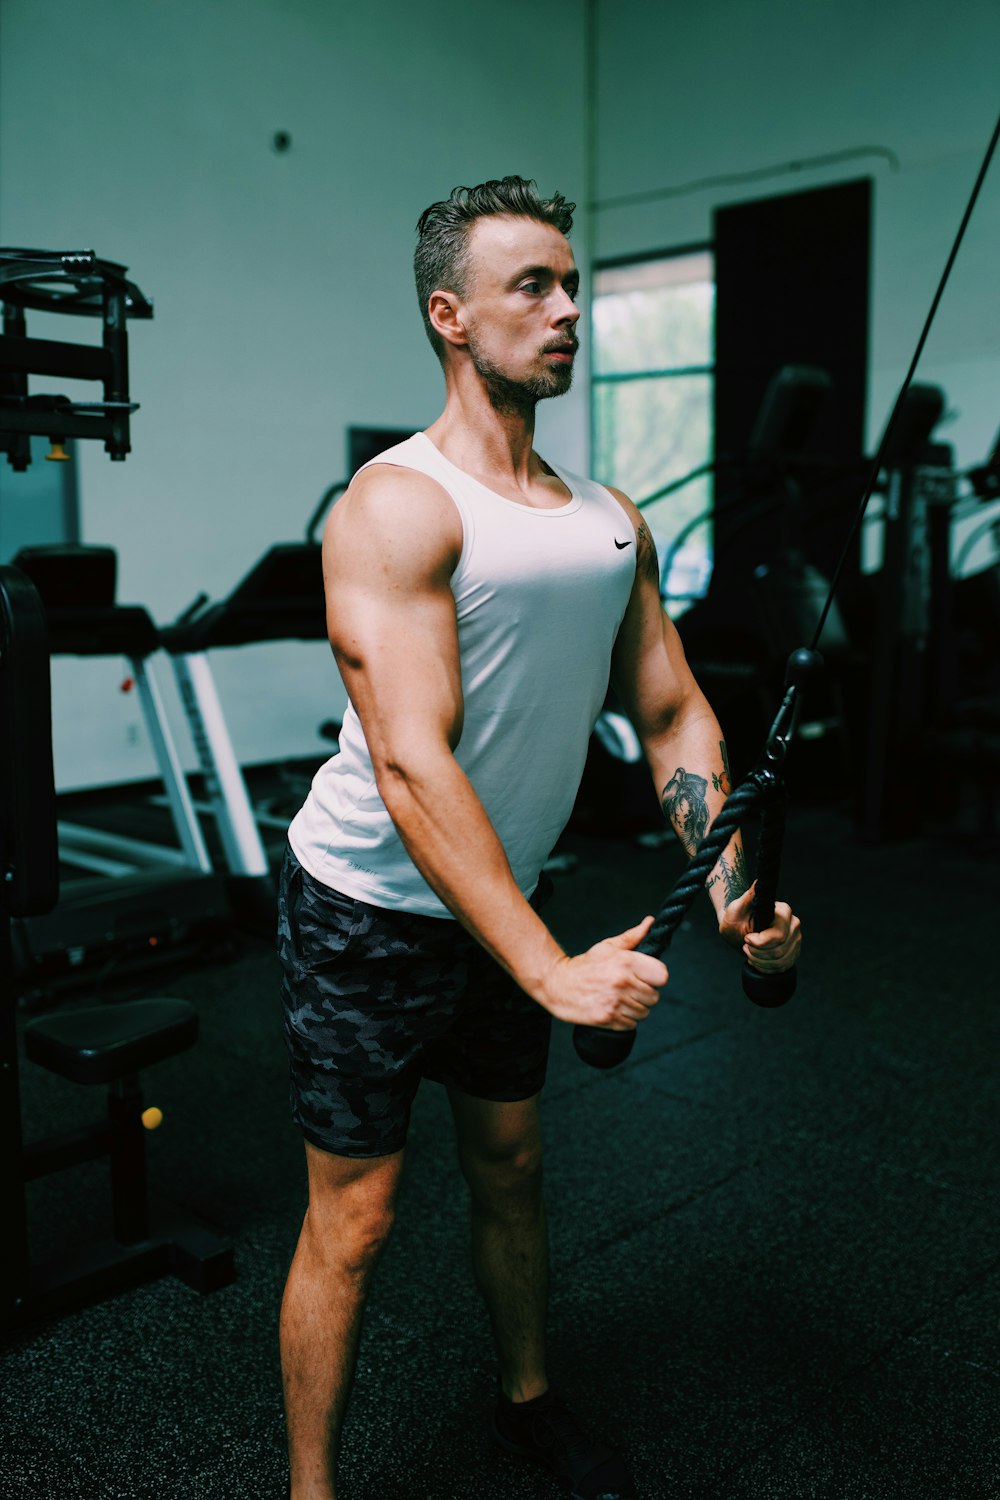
{"x": 667, "y": 372}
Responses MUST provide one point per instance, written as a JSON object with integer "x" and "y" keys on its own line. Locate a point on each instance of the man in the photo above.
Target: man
{"x": 477, "y": 600}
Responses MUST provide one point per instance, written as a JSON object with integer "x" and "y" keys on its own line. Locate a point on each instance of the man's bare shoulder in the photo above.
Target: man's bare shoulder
{"x": 387, "y": 503}
{"x": 392, "y": 491}
{"x": 625, "y": 503}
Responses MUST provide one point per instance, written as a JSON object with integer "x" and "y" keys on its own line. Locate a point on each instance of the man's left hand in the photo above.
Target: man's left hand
{"x": 775, "y": 948}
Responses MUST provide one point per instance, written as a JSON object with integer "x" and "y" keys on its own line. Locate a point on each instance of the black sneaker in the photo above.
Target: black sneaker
{"x": 548, "y": 1432}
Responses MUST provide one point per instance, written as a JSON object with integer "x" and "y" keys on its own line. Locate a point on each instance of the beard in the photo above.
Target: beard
{"x": 513, "y": 397}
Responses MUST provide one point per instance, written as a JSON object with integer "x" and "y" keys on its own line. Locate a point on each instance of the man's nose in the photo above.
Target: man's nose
{"x": 566, "y": 311}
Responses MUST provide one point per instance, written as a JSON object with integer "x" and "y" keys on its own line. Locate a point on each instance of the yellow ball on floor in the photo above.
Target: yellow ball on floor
{"x": 152, "y": 1117}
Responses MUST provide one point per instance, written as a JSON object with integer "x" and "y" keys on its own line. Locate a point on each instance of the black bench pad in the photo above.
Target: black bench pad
{"x": 107, "y": 1042}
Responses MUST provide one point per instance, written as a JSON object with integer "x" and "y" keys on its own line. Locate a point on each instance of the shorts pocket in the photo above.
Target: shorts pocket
{"x": 327, "y": 920}
{"x": 289, "y": 898}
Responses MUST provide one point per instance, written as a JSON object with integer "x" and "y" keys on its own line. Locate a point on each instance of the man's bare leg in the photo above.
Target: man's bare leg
{"x": 500, "y": 1150}
{"x": 346, "y": 1225}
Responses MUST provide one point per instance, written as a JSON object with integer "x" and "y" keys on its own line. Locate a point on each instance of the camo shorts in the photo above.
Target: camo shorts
{"x": 375, "y": 1000}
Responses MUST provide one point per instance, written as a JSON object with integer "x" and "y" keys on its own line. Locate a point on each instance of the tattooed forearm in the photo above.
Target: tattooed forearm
{"x": 683, "y": 802}
{"x": 733, "y": 874}
{"x": 646, "y": 561}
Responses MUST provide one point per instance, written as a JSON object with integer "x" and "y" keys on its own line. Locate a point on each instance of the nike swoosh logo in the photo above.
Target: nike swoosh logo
{"x": 620, "y": 545}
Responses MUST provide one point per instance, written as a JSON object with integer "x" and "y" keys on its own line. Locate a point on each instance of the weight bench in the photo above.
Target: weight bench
{"x": 104, "y": 1045}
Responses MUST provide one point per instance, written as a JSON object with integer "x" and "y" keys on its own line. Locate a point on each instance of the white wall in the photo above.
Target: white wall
{"x": 284, "y": 302}
{"x": 727, "y": 88}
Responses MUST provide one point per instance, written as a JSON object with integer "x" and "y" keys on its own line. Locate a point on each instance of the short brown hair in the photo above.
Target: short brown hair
{"x": 441, "y": 259}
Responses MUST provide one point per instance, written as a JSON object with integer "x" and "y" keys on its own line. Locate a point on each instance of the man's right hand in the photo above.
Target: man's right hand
{"x": 610, "y": 985}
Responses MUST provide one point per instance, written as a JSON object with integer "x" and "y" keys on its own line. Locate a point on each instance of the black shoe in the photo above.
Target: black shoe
{"x": 548, "y": 1432}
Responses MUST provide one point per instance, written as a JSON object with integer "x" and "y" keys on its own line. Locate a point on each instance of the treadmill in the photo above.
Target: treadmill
{"x": 126, "y": 900}
{"x": 280, "y": 599}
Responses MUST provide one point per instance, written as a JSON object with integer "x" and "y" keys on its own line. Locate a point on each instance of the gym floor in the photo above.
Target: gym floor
{"x": 776, "y": 1262}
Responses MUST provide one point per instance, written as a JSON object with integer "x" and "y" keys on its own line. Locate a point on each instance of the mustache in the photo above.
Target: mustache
{"x": 564, "y": 346}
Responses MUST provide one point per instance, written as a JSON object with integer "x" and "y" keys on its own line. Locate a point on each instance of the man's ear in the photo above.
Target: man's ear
{"x": 445, "y": 312}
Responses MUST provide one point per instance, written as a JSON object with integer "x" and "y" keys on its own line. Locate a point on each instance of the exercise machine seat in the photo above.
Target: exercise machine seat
{"x": 77, "y": 587}
{"x": 104, "y": 1043}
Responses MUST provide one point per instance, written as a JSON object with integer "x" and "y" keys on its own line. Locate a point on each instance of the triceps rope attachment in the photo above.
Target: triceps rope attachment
{"x": 747, "y": 798}
{"x": 762, "y": 791}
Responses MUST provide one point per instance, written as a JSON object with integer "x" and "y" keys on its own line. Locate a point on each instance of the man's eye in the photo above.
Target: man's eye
{"x": 530, "y": 286}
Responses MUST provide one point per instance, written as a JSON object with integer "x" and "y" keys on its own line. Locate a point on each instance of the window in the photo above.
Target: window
{"x": 653, "y": 332}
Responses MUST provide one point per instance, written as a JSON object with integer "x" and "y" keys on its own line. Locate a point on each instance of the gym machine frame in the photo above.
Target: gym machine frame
{"x": 75, "y": 282}
{"x": 104, "y": 1044}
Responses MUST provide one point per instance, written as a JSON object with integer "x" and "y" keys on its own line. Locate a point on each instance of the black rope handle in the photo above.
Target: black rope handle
{"x": 598, "y": 1045}
{"x": 769, "y": 990}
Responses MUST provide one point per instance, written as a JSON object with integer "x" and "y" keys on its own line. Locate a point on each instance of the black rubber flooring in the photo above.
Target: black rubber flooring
{"x": 776, "y": 1258}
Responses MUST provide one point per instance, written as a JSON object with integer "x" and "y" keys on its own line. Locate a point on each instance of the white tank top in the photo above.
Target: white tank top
{"x": 539, "y": 596}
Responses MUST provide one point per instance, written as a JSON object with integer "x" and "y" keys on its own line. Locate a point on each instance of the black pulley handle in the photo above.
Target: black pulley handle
{"x": 768, "y": 989}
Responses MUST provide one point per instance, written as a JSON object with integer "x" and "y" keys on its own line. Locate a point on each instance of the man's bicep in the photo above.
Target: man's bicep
{"x": 391, "y": 620}
{"x": 398, "y": 656}
{"x": 650, "y": 673}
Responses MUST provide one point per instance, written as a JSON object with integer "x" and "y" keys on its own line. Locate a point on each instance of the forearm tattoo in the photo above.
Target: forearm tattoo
{"x": 683, "y": 802}
{"x": 734, "y": 876}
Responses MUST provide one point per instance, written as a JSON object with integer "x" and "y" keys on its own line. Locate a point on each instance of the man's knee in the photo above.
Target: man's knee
{"x": 505, "y": 1173}
{"x": 351, "y": 1210}
{"x": 354, "y": 1242}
